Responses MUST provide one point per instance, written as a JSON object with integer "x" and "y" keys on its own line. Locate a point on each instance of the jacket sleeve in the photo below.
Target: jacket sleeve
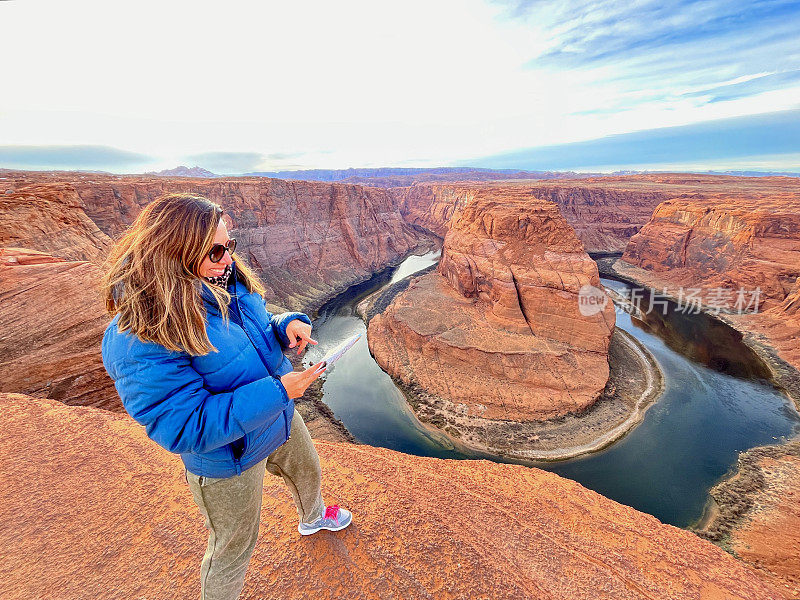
{"x": 162, "y": 391}
{"x": 281, "y": 321}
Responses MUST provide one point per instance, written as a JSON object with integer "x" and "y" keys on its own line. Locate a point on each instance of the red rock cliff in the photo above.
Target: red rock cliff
{"x": 740, "y": 249}
{"x": 604, "y": 217}
{"x": 49, "y": 217}
{"x": 604, "y": 211}
{"x": 52, "y": 323}
{"x": 422, "y": 527}
{"x": 307, "y": 240}
{"x": 726, "y": 243}
{"x": 497, "y": 331}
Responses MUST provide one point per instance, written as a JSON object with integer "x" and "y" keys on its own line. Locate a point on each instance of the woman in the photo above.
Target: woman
{"x": 198, "y": 360}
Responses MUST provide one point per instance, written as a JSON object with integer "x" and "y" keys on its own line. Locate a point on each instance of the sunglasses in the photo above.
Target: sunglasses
{"x": 218, "y": 250}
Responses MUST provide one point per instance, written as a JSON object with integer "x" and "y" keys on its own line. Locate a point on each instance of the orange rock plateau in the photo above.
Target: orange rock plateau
{"x": 496, "y": 331}
{"x": 109, "y": 515}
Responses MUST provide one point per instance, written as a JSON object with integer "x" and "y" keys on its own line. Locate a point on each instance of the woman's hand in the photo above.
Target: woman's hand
{"x": 296, "y": 331}
{"x": 296, "y": 382}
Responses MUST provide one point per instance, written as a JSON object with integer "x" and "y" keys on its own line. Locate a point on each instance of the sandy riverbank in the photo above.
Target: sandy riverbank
{"x": 753, "y": 513}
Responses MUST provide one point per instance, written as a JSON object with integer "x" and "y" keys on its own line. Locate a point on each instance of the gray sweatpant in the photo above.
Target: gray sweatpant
{"x": 232, "y": 509}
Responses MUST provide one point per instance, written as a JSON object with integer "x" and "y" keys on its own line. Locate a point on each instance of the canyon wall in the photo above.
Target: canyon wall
{"x": 307, "y": 240}
{"x": 726, "y": 243}
{"x": 52, "y": 323}
{"x": 496, "y": 332}
{"x": 605, "y": 212}
{"x": 476, "y": 529}
{"x": 737, "y": 252}
{"x": 603, "y": 216}
{"x": 48, "y": 216}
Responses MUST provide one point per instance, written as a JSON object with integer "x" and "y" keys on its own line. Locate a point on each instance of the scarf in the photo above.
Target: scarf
{"x": 221, "y": 280}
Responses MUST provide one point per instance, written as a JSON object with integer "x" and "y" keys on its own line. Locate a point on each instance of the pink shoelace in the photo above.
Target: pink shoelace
{"x": 332, "y": 512}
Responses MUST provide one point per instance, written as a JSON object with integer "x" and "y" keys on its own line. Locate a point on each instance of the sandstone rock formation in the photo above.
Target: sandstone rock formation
{"x": 729, "y": 243}
{"x": 739, "y": 254}
{"x": 307, "y": 240}
{"x": 49, "y": 217}
{"x": 52, "y": 323}
{"x": 603, "y": 216}
{"x": 604, "y": 211}
{"x": 108, "y": 515}
{"x": 496, "y": 332}
{"x": 776, "y": 328}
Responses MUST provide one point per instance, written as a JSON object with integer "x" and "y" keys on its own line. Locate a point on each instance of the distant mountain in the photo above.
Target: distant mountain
{"x": 406, "y": 176}
{"x": 755, "y": 173}
{"x": 401, "y": 176}
{"x": 183, "y": 172}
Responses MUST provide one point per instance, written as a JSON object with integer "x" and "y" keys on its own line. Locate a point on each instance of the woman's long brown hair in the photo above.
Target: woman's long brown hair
{"x": 152, "y": 278}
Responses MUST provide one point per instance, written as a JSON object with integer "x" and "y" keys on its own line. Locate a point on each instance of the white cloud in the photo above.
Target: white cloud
{"x": 341, "y": 84}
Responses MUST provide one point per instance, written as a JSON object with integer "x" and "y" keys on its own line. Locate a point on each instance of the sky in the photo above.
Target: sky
{"x": 262, "y": 86}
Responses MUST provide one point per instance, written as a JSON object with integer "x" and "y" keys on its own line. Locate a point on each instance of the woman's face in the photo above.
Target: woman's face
{"x": 211, "y": 269}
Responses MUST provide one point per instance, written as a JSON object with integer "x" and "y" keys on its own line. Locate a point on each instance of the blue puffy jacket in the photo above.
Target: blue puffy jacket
{"x": 222, "y": 412}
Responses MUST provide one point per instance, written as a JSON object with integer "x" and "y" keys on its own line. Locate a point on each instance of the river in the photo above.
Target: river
{"x": 716, "y": 404}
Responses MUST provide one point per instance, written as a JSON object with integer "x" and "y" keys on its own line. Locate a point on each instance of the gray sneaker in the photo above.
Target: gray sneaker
{"x": 334, "y": 519}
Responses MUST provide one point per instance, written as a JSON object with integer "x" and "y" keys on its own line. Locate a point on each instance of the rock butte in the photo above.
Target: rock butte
{"x": 497, "y": 329}
{"x": 423, "y": 527}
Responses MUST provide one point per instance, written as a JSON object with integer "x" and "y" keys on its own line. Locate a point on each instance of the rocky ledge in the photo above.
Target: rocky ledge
{"x": 755, "y": 513}
{"x": 109, "y": 515}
